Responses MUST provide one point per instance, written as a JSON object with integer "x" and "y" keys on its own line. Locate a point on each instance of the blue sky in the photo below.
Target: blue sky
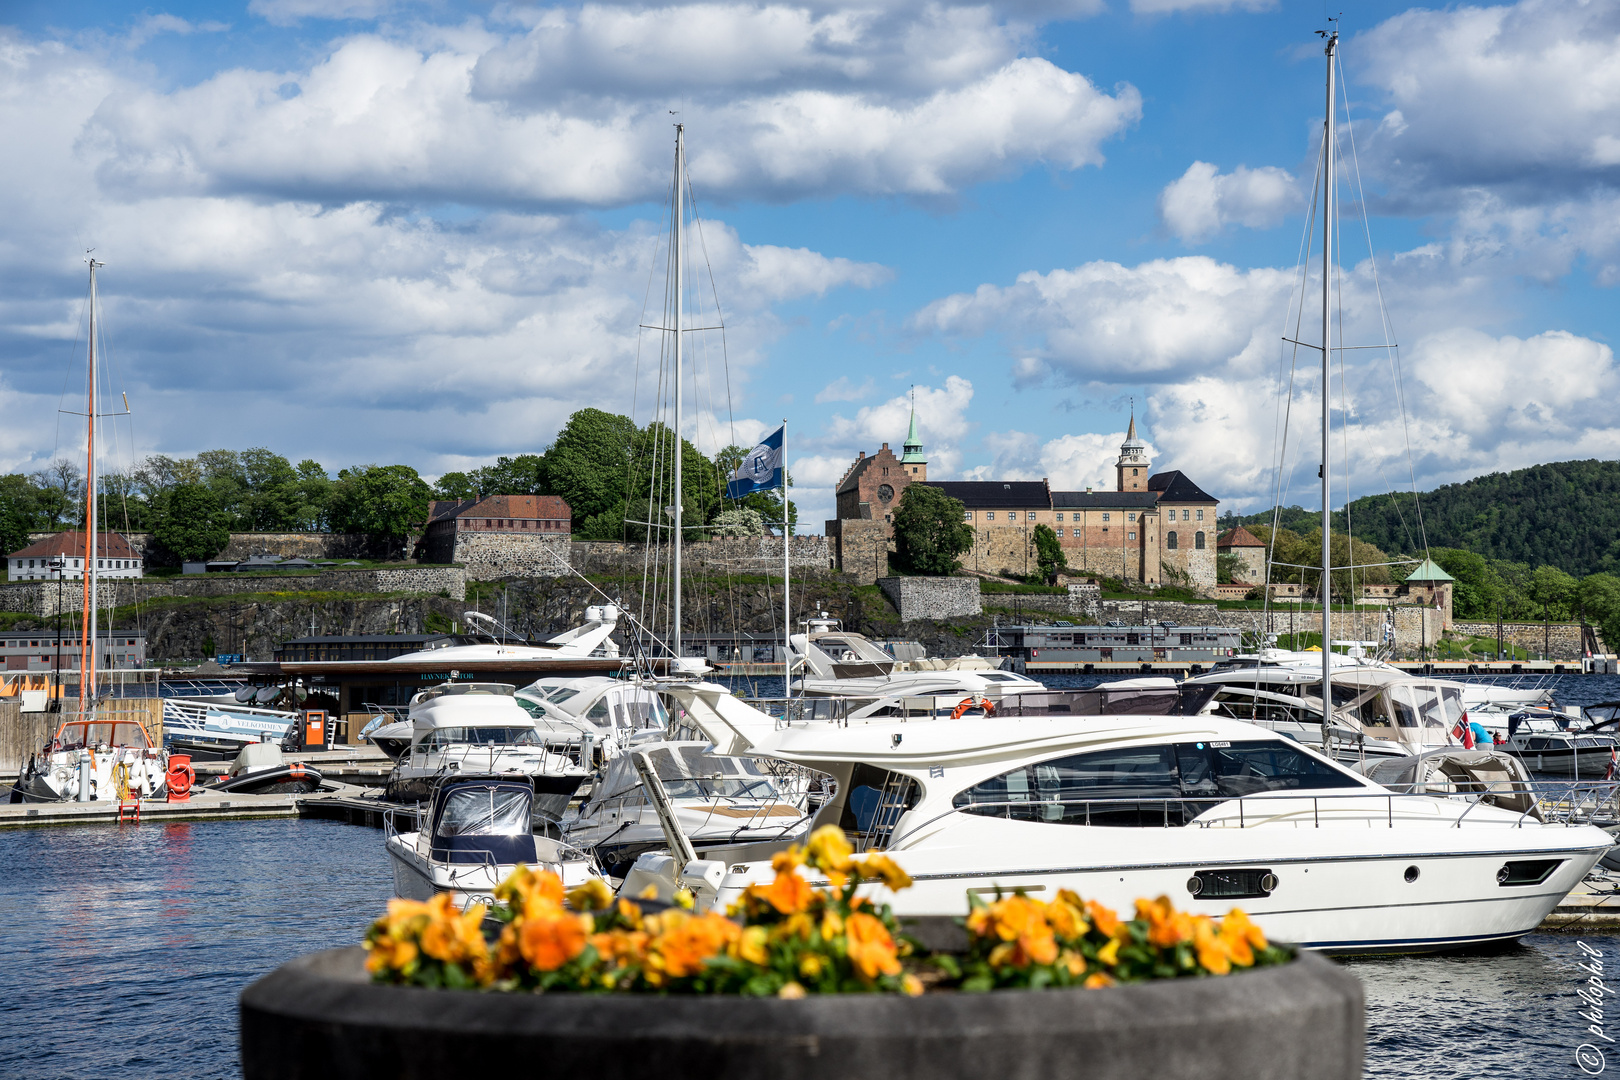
{"x": 422, "y": 232}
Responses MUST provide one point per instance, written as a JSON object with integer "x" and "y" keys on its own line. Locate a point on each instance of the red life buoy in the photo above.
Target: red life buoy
{"x": 970, "y": 702}
{"x": 181, "y": 776}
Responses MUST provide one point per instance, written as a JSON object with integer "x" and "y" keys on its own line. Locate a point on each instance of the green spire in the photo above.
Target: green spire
{"x": 913, "y": 448}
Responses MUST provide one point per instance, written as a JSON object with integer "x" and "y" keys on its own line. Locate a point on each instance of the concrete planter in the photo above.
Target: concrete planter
{"x": 318, "y": 1018}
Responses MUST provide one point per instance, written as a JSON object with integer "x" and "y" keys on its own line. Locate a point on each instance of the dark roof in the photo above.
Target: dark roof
{"x": 1177, "y": 487}
{"x": 1104, "y": 500}
{"x": 997, "y": 494}
{"x": 852, "y": 479}
{"x": 109, "y": 545}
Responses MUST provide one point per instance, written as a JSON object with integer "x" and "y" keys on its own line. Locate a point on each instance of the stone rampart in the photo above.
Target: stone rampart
{"x": 303, "y": 545}
{"x": 861, "y": 548}
{"x": 722, "y": 555}
{"x": 933, "y": 598}
{"x": 1559, "y": 641}
{"x": 487, "y": 556}
{"x": 41, "y": 598}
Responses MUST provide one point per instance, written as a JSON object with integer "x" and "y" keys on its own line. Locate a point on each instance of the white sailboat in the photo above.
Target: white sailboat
{"x": 93, "y": 758}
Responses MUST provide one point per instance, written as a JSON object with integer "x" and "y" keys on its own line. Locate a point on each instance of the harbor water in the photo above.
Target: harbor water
{"x": 127, "y": 947}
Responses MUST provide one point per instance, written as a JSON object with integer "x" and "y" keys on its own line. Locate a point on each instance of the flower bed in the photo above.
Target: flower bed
{"x": 802, "y": 982}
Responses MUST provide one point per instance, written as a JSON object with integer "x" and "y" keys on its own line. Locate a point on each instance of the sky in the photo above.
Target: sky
{"x": 427, "y": 232}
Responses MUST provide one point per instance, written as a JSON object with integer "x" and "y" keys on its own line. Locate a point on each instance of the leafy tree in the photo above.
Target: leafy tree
{"x": 929, "y": 532}
{"x": 522, "y": 475}
{"x": 13, "y": 527}
{"x": 1049, "y": 555}
{"x": 1598, "y": 598}
{"x": 383, "y": 501}
{"x": 60, "y": 499}
{"x": 1227, "y": 568}
{"x": 314, "y": 489}
{"x": 192, "y": 523}
{"x": 589, "y": 465}
{"x": 1477, "y": 593}
{"x": 1553, "y": 589}
{"x": 455, "y": 485}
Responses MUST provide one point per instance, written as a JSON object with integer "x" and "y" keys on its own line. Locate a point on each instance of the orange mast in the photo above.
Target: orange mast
{"x": 87, "y": 644}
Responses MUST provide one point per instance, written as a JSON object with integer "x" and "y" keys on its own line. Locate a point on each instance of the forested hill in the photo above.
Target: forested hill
{"x": 1566, "y": 514}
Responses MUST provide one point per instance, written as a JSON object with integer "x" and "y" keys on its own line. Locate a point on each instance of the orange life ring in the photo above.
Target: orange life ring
{"x": 970, "y": 702}
{"x": 181, "y": 776}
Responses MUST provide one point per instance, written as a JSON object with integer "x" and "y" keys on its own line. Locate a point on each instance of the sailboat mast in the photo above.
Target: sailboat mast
{"x": 1327, "y": 409}
{"x": 787, "y": 577}
{"x": 675, "y": 252}
{"x": 87, "y": 644}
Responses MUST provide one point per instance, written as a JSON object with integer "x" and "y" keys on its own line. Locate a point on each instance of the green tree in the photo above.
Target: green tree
{"x": 1477, "y": 592}
{"x": 384, "y": 501}
{"x": 1553, "y": 590}
{"x": 455, "y": 485}
{"x": 589, "y": 466}
{"x": 1598, "y": 597}
{"x": 13, "y": 528}
{"x": 1049, "y": 555}
{"x": 929, "y": 532}
{"x": 740, "y": 521}
{"x": 522, "y": 475}
{"x": 192, "y": 523}
{"x": 314, "y": 494}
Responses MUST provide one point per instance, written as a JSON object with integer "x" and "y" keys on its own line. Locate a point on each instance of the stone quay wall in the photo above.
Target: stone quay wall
{"x": 933, "y": 598}
{"x": 40, "y": 598}
{"x": 1561, "y": 641}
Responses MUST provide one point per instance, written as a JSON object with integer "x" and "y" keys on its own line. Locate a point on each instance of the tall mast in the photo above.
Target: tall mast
{"x": 1327, "y": 409}
{"x": 787, "y": 577}
{"x": 675, "y": 252}
{"x": 87, "y": 645}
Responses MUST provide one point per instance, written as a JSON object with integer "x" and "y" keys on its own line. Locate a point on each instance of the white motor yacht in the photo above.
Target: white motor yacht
{"x": 1064, "y": 793}
{"x": 474, "y": 831}
{"x": 717, "y": 800}
{"x": 839, "y": 663}
{"x": 479, "y": 728}
{"x": 615, "y": 713}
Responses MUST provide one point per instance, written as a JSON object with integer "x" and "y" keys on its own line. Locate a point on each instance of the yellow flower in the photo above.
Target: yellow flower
{"x": 791, "y": 992}
{"x": 1109, "y": 953}
{"x": 750, "y": 946}
{"x": 791, "y": 859}
{"x": 1096, "y": 979}
{"x": 810, "y": 965}
{"x": 548, "y": 939}
{"x": 1072, "y": 962}
{"x": 387, "y": 954}
{"x": 594, "y": 895}
{"x": 451, "y": 936}
{"x": 870, "y": 947}
{"x": 911, "y": 986}
{"x": 1214, "y": 953}
{"x": 630, "y": 913}
{"x": 1020, "y": 920}
{"x": 829, "y": 852}
{"x": 683, "y": 898}
{"x": 649, "y": 893}
{"x": 874, "y": 867}
{"x": 798, "y": 925}
{"x": 1067, "y": 917}
{"x": 832, "y": 924}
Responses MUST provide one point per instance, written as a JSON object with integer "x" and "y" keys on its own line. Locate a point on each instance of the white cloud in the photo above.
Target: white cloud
{"x": 1078, "y": 461}
{"x": 1201, "y": 203}
{"x": 1106, "y": 322}
{"x": 779, "y": 104}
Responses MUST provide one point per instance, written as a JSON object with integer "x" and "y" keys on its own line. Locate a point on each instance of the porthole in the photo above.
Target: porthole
{"x": 1195, "y": 885}
{"x": 1412, "y": 874}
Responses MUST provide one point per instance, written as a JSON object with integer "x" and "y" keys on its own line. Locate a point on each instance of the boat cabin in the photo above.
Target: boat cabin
{"x": 482, "y": 819}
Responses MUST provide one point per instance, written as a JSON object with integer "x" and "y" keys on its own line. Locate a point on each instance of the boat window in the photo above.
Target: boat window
{"x": 598, "y": 713}
{"x": 1146, "y": 786}
{"x": 533, "y": 708}
{"x": 123, "y": 733}
{"x": 690, "y": 772}
{"x": 485, "y": 812}
{"x": 1538, "y": 744}
{"x": 441, "y": 738}
{"x": 559, "y": 694}
{"x": 877, "y": 798}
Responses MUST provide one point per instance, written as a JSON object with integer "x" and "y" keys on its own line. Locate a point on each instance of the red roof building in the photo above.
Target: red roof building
{"x": 115, "y": 558}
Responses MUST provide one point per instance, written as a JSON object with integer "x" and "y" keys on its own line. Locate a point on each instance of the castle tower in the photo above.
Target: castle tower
{"x": 1133, "y": 464}
{"x": 911, "y": 458}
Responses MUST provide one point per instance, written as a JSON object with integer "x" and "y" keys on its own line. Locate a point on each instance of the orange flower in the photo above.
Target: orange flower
{"x": 832, "y": 924}
{"x": 450, "y": 935}
{"x": 788, "y": 894}
{"x": 687, "y": 943}
{"x": 1103, "y": 919}
{"x": 387, "y": 954}
{"x": 1214, "y": 953}
{"x": 620, "y": 947}
{"x": 630, "y": 913}
{"x": 911, "y": 986}
{"x": 750, "y": 946}
{"x": 874, "y": 867}
{"x": 829, "y": 852}
{"x": 870, "y": 947}
{"x": 1167, "y": 927}
{"x": 791, "y": 859}
{"x": 1097, "y": 979}
{"x": 527, "y": 890}
{"x": 1067, "y": 916}
{"x": 1072, "y": 962}
{"x": 548, "y": 939}
{"x": 1242, "y": 937}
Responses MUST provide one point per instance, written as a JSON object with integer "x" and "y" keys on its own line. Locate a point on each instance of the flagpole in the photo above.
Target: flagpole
{"x": 787, "y": 579}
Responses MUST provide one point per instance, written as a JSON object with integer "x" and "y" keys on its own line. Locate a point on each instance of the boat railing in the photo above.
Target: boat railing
{"x": 1554, "y": 804}
{"x": 397, "y": 712}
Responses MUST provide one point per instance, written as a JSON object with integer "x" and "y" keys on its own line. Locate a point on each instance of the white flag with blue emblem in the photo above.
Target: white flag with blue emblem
{"x": 761, "y": 470}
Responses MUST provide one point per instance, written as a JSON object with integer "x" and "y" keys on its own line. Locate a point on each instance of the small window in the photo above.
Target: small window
{"x": 1105, "y": 515}
{"x": 1184, "y": 514}
{"x": 967, "y": 515}
{"x": 1170, "y": 541}
{"x": 989, "y": 515}
{"x": 1133, "y": 472}
{"x": 1200, "y": 515}
{"x": 1060, "y": 532}
{"x": 1060, "y": 515}
{"x": 1131, "y": 536}
{"x": 1198, "y": 542}
{"x": 1031, "y": 516}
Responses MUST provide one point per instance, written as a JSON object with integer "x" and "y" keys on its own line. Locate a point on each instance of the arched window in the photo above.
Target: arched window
{"x": 1198, "y": 541}
{"x": 1170, "y": 541}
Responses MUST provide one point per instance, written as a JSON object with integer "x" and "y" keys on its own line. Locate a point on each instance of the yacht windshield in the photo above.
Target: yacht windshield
{"x": 690, "y": 772}
{"x": 439, "y": 738}
{"x": 101, "y": 733}
{"x": 485, "y": 812}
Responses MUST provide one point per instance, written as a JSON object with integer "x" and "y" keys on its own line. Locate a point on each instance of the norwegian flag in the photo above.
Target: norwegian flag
{"x": 1463, "y": 733}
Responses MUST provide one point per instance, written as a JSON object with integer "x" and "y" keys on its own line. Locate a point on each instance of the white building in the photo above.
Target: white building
{"x": 37, "y": 562}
